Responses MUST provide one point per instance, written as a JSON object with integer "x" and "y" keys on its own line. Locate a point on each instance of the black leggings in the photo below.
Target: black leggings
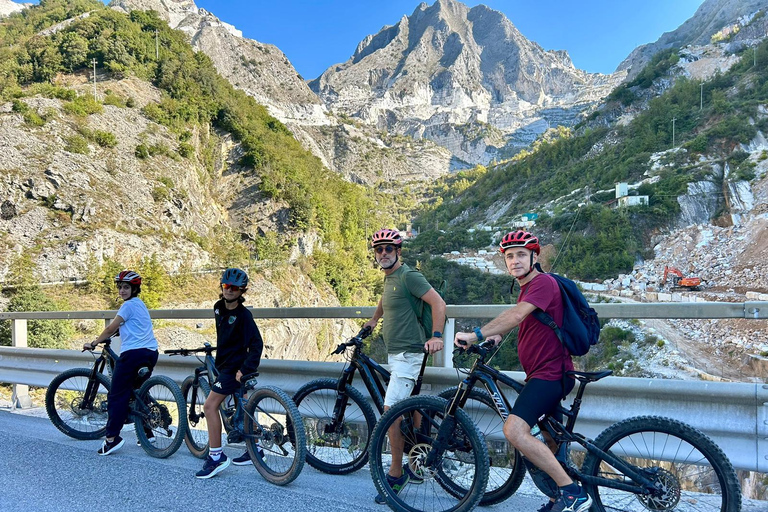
{"x": 127, "y": 368}
{"x": 540, "y": 397}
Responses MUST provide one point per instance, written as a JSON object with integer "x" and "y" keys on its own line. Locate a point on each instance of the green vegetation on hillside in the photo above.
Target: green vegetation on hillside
{"x": 193, "y": 94}
{"x": 584, "y": 167}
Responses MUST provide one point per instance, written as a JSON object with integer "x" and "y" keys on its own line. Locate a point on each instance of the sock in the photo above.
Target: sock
{"x": 572, "y": 488}
{"x": 215, "y": 453}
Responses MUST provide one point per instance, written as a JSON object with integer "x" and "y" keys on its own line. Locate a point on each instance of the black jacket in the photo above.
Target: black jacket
{"x": 238, "y": 340}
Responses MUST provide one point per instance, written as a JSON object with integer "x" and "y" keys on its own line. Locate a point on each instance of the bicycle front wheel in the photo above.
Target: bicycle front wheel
{"x": 274, "y": 435}
{"x": 196, "y": 437}
{"x": 335, "y": 445}
{"x": 506, "y": 464}
{"x": 159, "y": 415}
{"x": 71, "y": 411}
{"x": 445, "y": 458}
{"x": 690, "y": 472}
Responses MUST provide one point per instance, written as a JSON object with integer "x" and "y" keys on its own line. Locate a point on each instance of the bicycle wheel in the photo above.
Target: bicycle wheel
{"x": 448, "y": 455}
{"x": 507, "y": 469}
{"x": 341, "y": 447}
{"x": 689, "y": 470}
{"x": 274, "y": 435}
{"x": 196, "y": 437}
{"x": 159, "y": 416}
{"x": 67, "y": 409}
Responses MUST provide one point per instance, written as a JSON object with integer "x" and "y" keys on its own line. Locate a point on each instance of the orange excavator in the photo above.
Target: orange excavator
{"x": 680, "y": 282}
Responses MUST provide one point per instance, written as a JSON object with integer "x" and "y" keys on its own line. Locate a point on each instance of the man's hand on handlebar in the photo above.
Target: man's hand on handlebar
{"x": 433, "y": 345}
{"x": 90, "y": 346}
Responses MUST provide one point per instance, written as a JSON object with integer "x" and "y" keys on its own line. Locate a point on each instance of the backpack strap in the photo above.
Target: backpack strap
{"x": 546, "y": 319}
{"x": 411, "y": 298}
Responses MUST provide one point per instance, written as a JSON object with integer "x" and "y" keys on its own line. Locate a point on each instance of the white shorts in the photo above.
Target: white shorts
{"x": 404, "y": 369}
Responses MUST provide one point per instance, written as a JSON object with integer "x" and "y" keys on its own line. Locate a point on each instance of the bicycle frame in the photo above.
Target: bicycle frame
{"x": 561, "y": 434}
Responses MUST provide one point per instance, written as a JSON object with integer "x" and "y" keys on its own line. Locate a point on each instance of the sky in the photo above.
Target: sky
{"x": 316, "y": 34}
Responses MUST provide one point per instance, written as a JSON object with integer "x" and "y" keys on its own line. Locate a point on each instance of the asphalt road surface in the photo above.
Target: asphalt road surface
{"x": 44, "y": 470}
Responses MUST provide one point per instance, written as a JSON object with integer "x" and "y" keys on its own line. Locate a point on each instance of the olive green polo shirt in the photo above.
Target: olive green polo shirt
{"x": 402, "y": 331}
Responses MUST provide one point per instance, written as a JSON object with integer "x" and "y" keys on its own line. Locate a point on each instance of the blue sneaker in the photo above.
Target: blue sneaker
{"x": 567, "y": 502}
{"x": 212, "y": 467}
{"x": 396, "y": 484}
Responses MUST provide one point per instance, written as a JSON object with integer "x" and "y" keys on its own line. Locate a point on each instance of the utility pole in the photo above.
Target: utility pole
{"x": 673, "y": 131}
{"x": 701, "y": 101}
{"x": 157, "y": 46}
{"x": 93, "y": 61}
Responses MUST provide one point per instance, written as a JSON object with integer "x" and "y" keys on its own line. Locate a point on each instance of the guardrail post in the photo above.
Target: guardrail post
{"x": 444, "y": 359}
{"x": 20, "y": 396}
{"x": 762, "y": 428}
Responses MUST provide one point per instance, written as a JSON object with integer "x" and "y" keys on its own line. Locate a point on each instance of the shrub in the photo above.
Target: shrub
{"x": 41, "y": 333}
{"x": 161, "y": 193}
{"x": 77, "y": 144}
{"x": 83, "y": 106}
{"x": 105, "y": 139}
{"x": 186, "y": 150}
{"x": 142, "y": 151}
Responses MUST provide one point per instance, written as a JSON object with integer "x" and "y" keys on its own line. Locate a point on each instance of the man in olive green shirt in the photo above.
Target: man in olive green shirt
{"x": 403, "y": 336}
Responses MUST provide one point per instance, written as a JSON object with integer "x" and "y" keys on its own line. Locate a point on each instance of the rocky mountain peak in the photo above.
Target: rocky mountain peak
{"x": 464, "y": 78}
{"x": 7, "y": 7}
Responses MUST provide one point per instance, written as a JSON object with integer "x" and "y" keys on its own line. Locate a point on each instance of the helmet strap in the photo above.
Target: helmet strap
{"x": 533, "y": 267}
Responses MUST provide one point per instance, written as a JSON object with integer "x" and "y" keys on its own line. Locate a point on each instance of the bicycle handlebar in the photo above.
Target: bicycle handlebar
{"x": 208, "y": 348}
{"x": 357, "y": 340}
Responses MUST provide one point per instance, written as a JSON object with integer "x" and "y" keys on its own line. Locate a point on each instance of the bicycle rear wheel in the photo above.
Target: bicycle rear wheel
{"x": 69, "y": 411}
{"x": 448, "y": 455}
{"x": 196, "y": 437}
{"x": 338, "y": 447}
{"x": 160, "y": 416}
{"x": 274, "y": 435}
{"x": 690, "y": 472}
{"x": 507, "y": 469}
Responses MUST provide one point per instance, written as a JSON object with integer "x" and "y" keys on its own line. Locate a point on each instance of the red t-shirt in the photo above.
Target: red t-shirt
{"x": 540, "y": 351}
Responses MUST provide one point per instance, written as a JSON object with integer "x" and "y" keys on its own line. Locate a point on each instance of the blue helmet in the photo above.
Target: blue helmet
{"x": 235, "y": 276}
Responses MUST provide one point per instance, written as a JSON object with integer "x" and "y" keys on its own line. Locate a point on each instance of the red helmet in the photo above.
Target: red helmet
{"x": 128, "y": 276}
{"x": 386, "y": 236}
{"x": 520, "y": 239}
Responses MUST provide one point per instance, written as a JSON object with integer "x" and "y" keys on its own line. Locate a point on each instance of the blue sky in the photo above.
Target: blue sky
{"x": 316, "y": 34}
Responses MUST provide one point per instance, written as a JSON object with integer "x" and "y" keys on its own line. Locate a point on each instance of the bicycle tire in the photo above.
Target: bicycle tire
{"x": 61, "y": 399}
{"x": 274, "y": 435}
{"x": 166, "y": 416}
{"x": 455, "y": 482}
{"x": 507, "y": 469}
{"x": 688, "y": 466}
{"x": 346, "y": 450}
{"x": 196, "y": 436}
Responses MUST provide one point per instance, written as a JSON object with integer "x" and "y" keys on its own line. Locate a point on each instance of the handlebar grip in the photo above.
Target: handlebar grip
{"x": 339, "y": 349}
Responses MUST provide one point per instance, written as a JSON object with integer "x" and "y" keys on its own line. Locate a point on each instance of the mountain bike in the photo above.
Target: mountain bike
{"x": 337, "y": 417}
{"x": 637, "y": 464}
{"x": 268, "y": 422}
{"x": 76, "y": 402}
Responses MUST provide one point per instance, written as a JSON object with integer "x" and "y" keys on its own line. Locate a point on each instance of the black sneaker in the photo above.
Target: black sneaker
{"x": 396, "y": 484}
{"x": 108, "y": 448}
{"x": 243, "y": 460}
{"x": 150, "y": 440}
{"x": 213, "y": 467}
{"x": 567, "y": 502}
{"x": 414, "y": 477}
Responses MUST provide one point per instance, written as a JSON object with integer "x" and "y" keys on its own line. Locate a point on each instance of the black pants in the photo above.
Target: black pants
{"x": 126, "y": 369}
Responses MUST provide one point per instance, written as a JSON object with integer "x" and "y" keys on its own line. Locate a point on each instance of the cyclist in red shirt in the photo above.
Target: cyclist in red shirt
{"x": 543, "y": 358}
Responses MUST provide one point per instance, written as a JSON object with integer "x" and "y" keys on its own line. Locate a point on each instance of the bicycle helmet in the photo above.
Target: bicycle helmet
{"x": 520, "y": 239}
{"x": 128, "y": 276}
{"x": 386, "y": 236}
{"x": 235, "y": 277}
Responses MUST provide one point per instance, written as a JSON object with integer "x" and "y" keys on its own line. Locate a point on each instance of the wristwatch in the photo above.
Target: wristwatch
{"x": 437, "y": 334}
{"x": 479, "y": 334}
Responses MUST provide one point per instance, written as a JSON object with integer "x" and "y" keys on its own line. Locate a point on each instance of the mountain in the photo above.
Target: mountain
{"x": 464, "y": 78}
{"x": 708, "y": 20}
{"x": 360, "y": 153}
{"x": 7, "y": 7}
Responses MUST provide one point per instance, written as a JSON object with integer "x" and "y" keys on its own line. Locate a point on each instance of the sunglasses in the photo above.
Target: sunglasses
{"x": 382, "y": 248}
{"x": 232, "y": 287}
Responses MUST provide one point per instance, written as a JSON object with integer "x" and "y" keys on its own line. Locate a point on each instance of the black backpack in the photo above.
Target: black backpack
{"x": 581, "y": 327}
{"x": 422, "y": 310}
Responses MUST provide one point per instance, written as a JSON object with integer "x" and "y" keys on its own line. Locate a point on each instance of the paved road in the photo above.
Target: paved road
{"x": 44, "y": 470}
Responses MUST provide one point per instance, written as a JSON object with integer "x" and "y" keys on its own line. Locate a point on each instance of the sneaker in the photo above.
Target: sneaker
{"x": 567, "y": 502}
{"x": 245, "y": 458}
{"x": 108, "y": 448}
{"x": 150, "y": 440}
{"x": 213, "y": 467}
{"x": 396, "y": 484}
{"x": 414, "y": 478}
{"x": 547, "y": 506}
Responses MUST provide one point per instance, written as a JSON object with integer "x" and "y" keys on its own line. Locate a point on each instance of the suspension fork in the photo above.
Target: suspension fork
{"x": 92, "y": 387}
{"x": 342, "y": 399}
{"x": 447, "y": 426}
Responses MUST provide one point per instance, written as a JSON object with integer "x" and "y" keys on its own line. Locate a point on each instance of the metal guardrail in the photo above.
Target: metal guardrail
{"x": 735, "y": 415}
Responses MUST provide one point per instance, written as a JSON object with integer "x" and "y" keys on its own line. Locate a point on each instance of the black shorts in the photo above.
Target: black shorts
{"x": 540, "y": 397}
{"x": 226, "y": 384}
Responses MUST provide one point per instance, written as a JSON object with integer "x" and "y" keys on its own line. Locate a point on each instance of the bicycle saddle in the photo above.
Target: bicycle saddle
{"x": 589, "y": 376}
